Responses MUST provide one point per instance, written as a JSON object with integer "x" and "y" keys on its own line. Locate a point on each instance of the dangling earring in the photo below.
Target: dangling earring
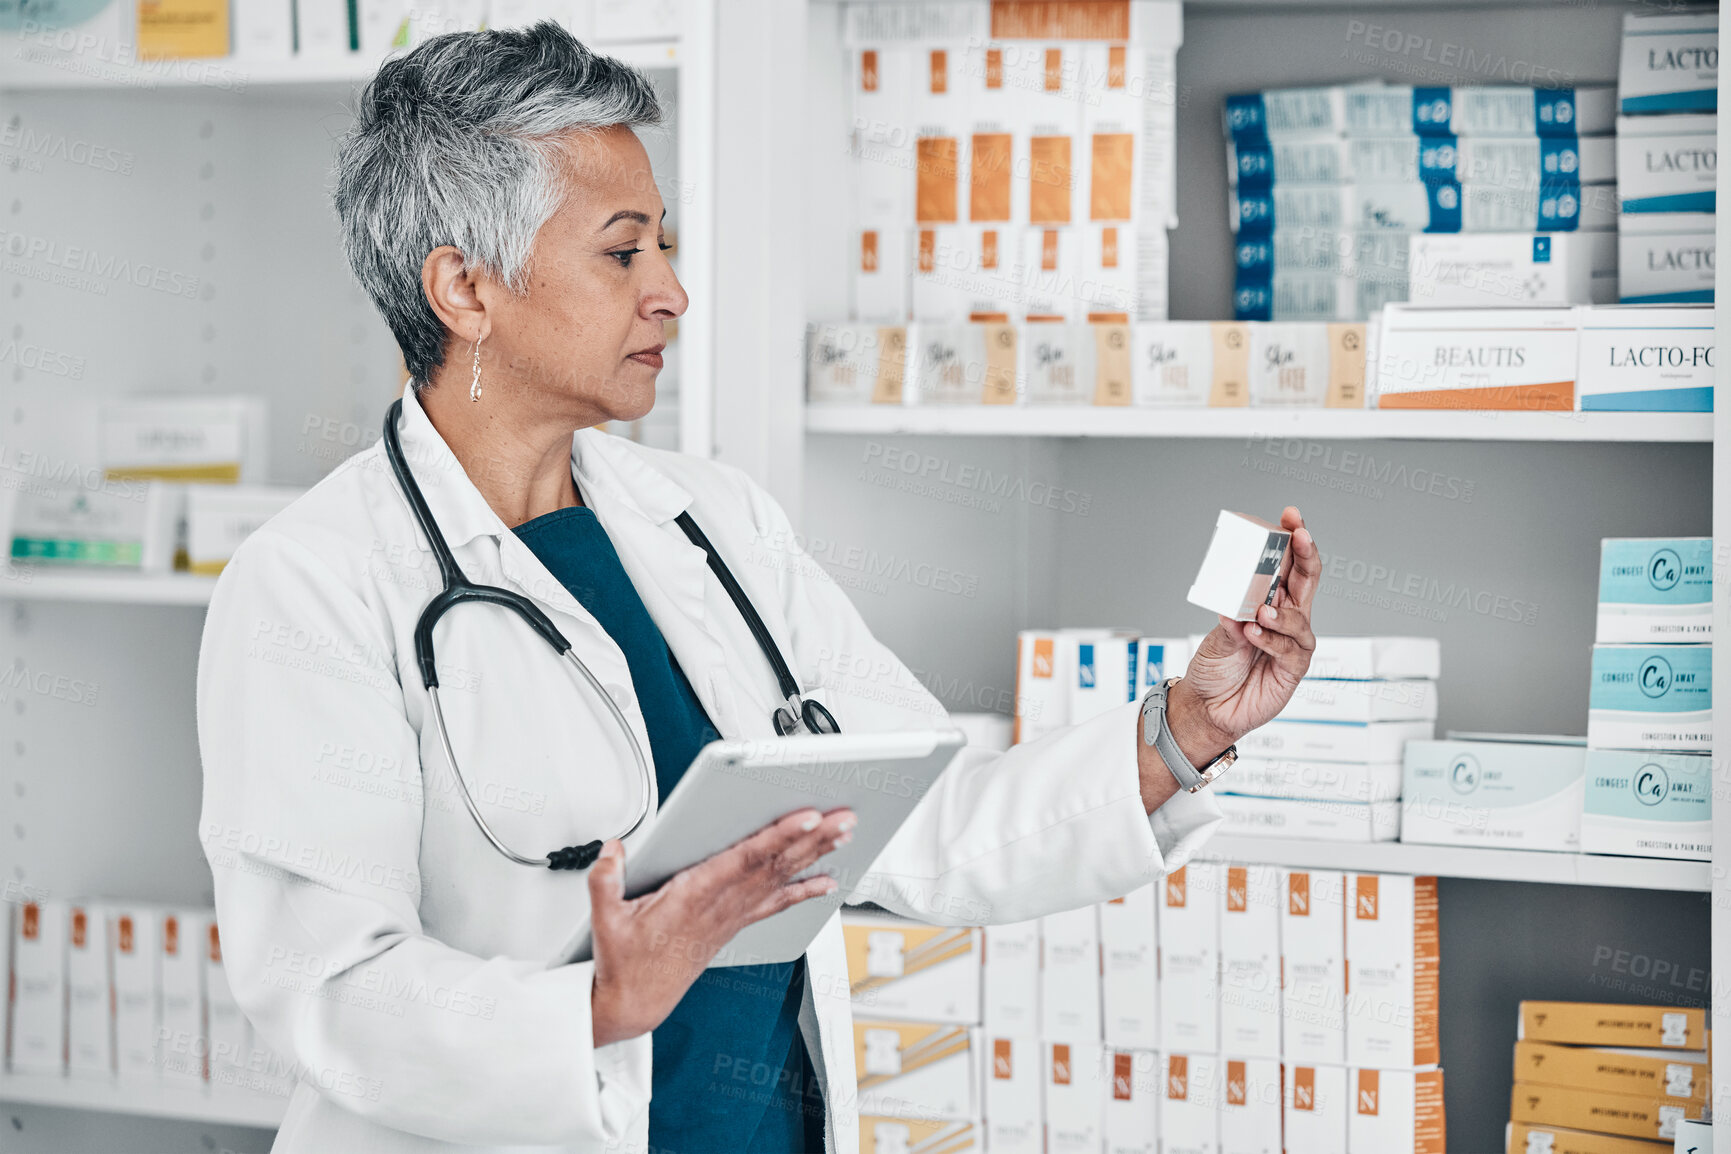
{"x": 475, "y": 384}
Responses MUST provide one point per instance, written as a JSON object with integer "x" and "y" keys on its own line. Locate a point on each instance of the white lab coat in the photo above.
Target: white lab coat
{"x": 373, "y": 936}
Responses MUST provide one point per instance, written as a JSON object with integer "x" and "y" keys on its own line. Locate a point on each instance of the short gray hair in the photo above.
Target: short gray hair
{"x": 457, "y": 143}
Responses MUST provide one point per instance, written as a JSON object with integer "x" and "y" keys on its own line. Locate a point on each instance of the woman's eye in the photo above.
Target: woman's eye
{"x": 665, "y": 247}
{"x": 624, "y": 256}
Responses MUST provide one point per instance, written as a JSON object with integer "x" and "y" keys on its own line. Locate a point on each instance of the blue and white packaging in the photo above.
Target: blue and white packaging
{"x": 1106, "y": 673}
{"x": 1554, "y": 206}
{"x": 1377, "y": 109}
{"x": 1509, "y": 162}
{"x": 1524, "y": 793}
{"x": 1646, "y": 359}
{"x": 1366, "y": 254}
{"x": 1668, "y": 163}
{"x": 1665, "y": 258}
{"x": 1655, "y": 590}
{"x": 1312, "y": 296}
{"x": 1159, "y": 658}
{"x": 1651, "y": 697}
{"x": 1648, "y": 805}
{"x": 1507, "y": 270}
{"x": 1670, "y": 63}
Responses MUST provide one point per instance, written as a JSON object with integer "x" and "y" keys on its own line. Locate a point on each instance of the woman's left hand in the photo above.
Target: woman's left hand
{"x": 1245, "y": 672}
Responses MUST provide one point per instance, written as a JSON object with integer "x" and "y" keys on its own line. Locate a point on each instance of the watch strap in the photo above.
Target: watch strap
{"x": 1156, "y": 732}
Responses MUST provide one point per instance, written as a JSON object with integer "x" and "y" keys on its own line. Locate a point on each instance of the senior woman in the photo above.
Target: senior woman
{"x": 498, "y": 207}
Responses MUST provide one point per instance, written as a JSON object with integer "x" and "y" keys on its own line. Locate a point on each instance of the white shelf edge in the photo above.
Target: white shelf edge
{"x": 1466, "y": 862}
{"x": 201, "y": 1104}
{"x": 229, "y": 74}
{"x": 41, "y": 583}
{"x": 1258, "y": 424}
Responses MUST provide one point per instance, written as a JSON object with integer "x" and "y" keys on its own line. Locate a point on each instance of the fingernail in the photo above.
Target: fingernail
{"x": 841, "y": 841}
{"x": 810, "y": 823}
{"x": 846, "y": 824}
{"x": 1253, "y": 629}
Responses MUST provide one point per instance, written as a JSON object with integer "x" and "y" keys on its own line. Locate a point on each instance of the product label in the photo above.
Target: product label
{"x": 1112, "y": 364}
{"x": 989, "y": 176}
{"x": 1049, "y": 180}
{"x": 1109, "y": 182}
{"x": 1231, "y": 383}
{"x": 937, "y": 172}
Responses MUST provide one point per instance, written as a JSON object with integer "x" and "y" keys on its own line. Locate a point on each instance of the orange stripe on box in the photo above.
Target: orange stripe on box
{"x": 1061, "y": 19}
{"x": 1552, "y": 396}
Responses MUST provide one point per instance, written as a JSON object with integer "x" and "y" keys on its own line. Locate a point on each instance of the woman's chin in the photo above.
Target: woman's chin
{"x": 629, "y": 400}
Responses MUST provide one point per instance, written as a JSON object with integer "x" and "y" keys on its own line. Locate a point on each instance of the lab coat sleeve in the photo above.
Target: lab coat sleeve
{"x": 317, "y": 886}
{"x": 1051, "y": 824}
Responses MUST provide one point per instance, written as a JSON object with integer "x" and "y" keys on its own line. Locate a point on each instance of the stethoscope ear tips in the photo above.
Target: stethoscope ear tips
{"x": 574, "y": 857}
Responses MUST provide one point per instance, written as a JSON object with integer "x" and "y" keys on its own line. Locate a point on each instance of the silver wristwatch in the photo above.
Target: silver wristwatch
{"x": 1157, "y": 733}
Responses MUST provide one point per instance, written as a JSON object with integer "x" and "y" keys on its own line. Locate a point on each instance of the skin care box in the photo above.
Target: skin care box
{"x": 1316, "y": 1104}
{"x": 1056, "y": 364}
{"x": 898, "y": 969}
{"x": 882, "y": 277}
{"x": 185, "y": 439}
{"x": 1511, "y": 358}
{"x": 1378, "y": 742}
{"x": 1646, "y": 359}
{"x": 1626, "y": 1114}
{"x": 1042, "y": 688}
{"x": 124, "y": 524}
{"x": 1670, "y": 63}
{"x": 1244, "y": 566}
{"x": 1331, "y": 699}
{"x": 1075, "y": 1097}
{"x": 1516, "y": 794}
{"x": 964, "y": 364}
{"x": 1159, "y": 658}
{"x": 1289, "y": 365}
{"x": 1135, "y": 1082}
{"x": 136, "y": 934}
{"x": 1190, "y": 901}
{"x": 1599, "y": 1024}
{"x": 1648, "y": 805}
{"x": 1524, "y": 1136}
{"x": 856, "y": 364}
{"x": 225, "y": 1026}
{"x": 1250, "y": 1108}
{"x": 1376, "y": 658}
{"x": 1312, "y": 941}
{"x": 1392, "y": 956}
{"x": 38, "y": 995}
{"x": 1130, "y": 970}
{"x": 878, "y": 1135}
{"x": 1500, "y": 270}
{"x": 1010, "y": 979}
{"x": 1012, "y": 1095}
{"x": 1665, "y": 258}
{"x": 220, "y": 517}
{"x": 1172, "y": 363}
{"x": 1314, "y": 780}
{"x": 181, "y": 1044}
{"x": 1651, "y": 697}
{"x": 1105, "y": 674}
{"x": 1668, "y": 163}
{"x": 1396, "y": 1111}
{"x": 1250, "y": 962}
{"x": 1190, "y": 1106}
{"x": 1070, "y": 975}
{"x": 89, "y": 994}
{"x": 1315, "y": 820}
{"x": 1682, "y": 1076}
{"x": 916, "y": 1069}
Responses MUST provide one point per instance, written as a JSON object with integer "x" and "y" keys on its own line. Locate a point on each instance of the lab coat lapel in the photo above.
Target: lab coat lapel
{"x": 637, "y": 504}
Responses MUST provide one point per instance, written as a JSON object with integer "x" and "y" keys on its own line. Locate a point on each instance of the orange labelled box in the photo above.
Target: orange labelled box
{"x": 1392, "y": 952}
{"x": 1075, "y": 1096}
{"x": 878, "y": 1135}
{"x": 1250, "y": 1107}
{"x": 1632, "y": 1115}
{"x": 1601, "y": 1024}
{"x": 174, "y": 29}
{"x": 1346, "y": 370}
{"x": 937, "y": 168}
{"x": 916, "y": 1069}
{"x": 1523, "y": 1136}
{"x": 900, "y": 969}
{"x": 1496, "y": 359}
{"x": 1050, "y": 182}
{"x": 1396, "y": 1112}
{"x": 1316, "y": 1101}
{"x": 991, "y": 176}
{"x": 1012, "y": 1080}
{"x": 1010, "y": 982}
{"x": 1110, "y": 175}
{"x": 1061, "y": 19}
{"x": 1679, "y": 1075}
{"x": 856, "y": 364}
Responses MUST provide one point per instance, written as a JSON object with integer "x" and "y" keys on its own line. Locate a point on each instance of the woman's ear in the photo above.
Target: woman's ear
{"x": 452, "y": 291}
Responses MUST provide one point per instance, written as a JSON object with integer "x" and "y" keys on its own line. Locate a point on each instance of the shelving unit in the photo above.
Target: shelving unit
{"x": 34, "y": 583}
{"x": 1315, "y": 424}
{"x": 165, "y": 1100}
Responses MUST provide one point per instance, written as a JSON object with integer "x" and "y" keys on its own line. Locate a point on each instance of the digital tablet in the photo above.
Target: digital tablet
{"x": 735, "y": 788}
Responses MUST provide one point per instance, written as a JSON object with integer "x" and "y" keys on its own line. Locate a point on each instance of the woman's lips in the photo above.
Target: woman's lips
{"x": 649, "y": 357}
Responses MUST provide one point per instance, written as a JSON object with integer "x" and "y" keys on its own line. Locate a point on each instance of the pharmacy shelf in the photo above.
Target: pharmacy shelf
{"x": 164, "y": 1100}
{"x": 1234, "y": 424}
{"x": 1464, "y": 862}
{"x": 38, "y": 583}
{"x": 236, "y": 76}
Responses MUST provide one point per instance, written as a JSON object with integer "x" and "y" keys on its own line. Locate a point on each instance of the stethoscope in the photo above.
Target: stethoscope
{"x": 798, "y": 715}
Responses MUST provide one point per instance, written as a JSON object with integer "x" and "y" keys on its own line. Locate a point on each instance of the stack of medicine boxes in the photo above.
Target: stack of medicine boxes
{"x": 128, "y": 993}
{"x": 1667, "y": 156}
{"x": 1329, "y": 767}
{"x": 1015, "y": 182}
{"x": 1329, "y": 186}
{"x": 1650, "y": 709}
{"x": 1607, "y": 1079}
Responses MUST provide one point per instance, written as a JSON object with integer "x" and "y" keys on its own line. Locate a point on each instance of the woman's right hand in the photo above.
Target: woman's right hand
{"x": 649, "y": 950}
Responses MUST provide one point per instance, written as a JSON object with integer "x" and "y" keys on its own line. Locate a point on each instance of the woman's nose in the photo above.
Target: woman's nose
{"x": 666, "y": 298}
